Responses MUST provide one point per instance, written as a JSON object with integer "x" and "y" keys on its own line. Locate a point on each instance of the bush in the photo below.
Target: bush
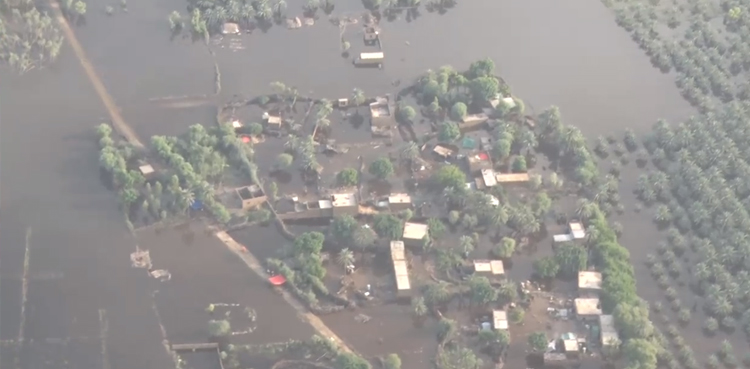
{"x": 519, "y": 164}
{"x": 347, "y": 177}
{"x": 450, "y": 176}
{"x": 406, "y": 114}
{"x": 254, "y": 129}
{"x": 392, "y": 361}
{"x": 350, "y": 361}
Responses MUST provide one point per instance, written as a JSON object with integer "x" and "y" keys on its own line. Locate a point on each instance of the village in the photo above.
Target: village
{"x": 427, "y": 197}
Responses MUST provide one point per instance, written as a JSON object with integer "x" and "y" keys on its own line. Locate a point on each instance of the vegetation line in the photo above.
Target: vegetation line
{"x": 117, "y": 121}
{"x": 104, "y": 330}
{"x": 303, "y": 312}
{"x": 24, "y": 289}
{"x": 165, "y": 340}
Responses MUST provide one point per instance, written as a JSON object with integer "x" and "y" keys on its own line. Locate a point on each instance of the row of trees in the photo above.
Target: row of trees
{"x": 29, "y": 38}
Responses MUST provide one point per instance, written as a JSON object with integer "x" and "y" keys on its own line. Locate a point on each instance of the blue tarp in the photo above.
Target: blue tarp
{"x": 197, "y": 205}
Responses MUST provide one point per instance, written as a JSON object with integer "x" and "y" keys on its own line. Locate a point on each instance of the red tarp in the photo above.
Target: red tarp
{"x": 245, "y": 139}
{"x": 277, "y": 280}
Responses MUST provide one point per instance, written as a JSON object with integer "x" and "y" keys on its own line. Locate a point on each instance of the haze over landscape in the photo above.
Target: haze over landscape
{"x": 71, "y": 298}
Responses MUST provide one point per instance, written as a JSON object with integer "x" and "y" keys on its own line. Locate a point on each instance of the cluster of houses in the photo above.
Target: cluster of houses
{"x": 587, "y": 308}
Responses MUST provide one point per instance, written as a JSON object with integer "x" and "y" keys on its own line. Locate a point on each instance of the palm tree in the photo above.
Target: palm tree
{"x": 345, "y": 258}
{"x": 410, "y": 151}
{"x": 358, "y": 97}
{"x": 279, "y": 8}
{"x": 418, "y": 306}
{"x": 466, "y": 244}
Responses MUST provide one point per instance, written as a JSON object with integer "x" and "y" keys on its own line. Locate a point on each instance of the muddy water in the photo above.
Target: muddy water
{"x": 79, "y": 249}
{"x": 566, "y": 53}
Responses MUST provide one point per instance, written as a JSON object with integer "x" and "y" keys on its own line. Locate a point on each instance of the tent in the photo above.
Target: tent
{"x": 277, "y": 280}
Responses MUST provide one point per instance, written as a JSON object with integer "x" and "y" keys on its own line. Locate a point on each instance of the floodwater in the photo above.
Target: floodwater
{"x": 567, "y": 53}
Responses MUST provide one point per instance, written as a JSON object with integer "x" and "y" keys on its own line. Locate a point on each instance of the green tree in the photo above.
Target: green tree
{"x": 273, "y": 190}
{"x": 308, "y": 243}
{"x": 516, "y": 315}
{"x": 176, "y": 23}
{"x": 347, "y": 177}
{"x": 381, "y": 168}
{"x": 494, "y": 340}
{"x": 363, "y": 237}
{"x": 342, "y": 229}
{"x": 418, "y": 306}
{"x": 254, "y": 129}
{"x": 505, "y": 248}
{"x": 448, "y": 132}
{"x": 546, "y": 267}
{"x": 501, "y": 149}
{"x": 358, "y": 97}
{"x": 346, "y": 360}
{"x": 79, "y": 8}
{"x": 538, "y": 341}
{"x": 219, "y": 328}
{"x": 436, "y": 228}
{"x": 392, "y": 361}
{"x": 457, "y": 358}
{"x": 458, "y": 111}
{"x": 481, "y": 291}
{"x": 454, "y": 217}
{"x": 519, "y": 164}
{"x": 481, "y": 68}
{"x": 283, "y": 161}
{"x": 405, "y": 113}
{"x": 572, "y": 258}
{"x": 450, "y": 176}
{"x": 640, "y": 353}
{"x": 484, "y": 89}
{"x": 388, "y": 226}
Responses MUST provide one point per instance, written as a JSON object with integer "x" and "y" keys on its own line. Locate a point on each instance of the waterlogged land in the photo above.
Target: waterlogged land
{"x": 570, "y": 54}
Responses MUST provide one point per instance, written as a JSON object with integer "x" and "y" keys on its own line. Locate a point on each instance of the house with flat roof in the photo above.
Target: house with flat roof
{"x": 414, "y": 234}
{"x": 508, "y": 178}
{"x": 489, "y": 268}
{"x": 398, "y": 251}
{"x": 473, "y": 121}
{"x": 345, "y": 203}
{"x": 577, "y": 230}
{"x": 230, "y": 29}
{"x": 499, "y": 319}
{"x": 488, "y": 178}
{"x": 401, "y": 272}
{"x": 272, "y": 122}
{"x": 147, "y": 170}
{"x": 251, "y": 196}
{"x": 382, "y": 112}
{"x": 399, "y": 201}
{"x": 478, "y": 161}
{"x": 589, "y": 283}
{"x": 608, "y": 332}
{"x": 588, "y": 308}
{"x": 443, "y": 151}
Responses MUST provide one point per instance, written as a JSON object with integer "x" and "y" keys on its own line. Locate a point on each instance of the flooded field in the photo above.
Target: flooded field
{"x": 569, "y": 54}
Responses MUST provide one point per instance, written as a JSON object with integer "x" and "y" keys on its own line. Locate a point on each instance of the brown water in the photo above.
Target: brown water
{"x": 567, "y": 53}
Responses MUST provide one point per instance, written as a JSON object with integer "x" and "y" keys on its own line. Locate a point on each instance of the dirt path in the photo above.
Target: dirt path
{"x": 302, "y": 311}
{"x": 114, "y": 112}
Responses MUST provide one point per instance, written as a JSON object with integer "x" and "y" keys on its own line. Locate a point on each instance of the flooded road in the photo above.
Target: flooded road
{"x": 569, "y": 53}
